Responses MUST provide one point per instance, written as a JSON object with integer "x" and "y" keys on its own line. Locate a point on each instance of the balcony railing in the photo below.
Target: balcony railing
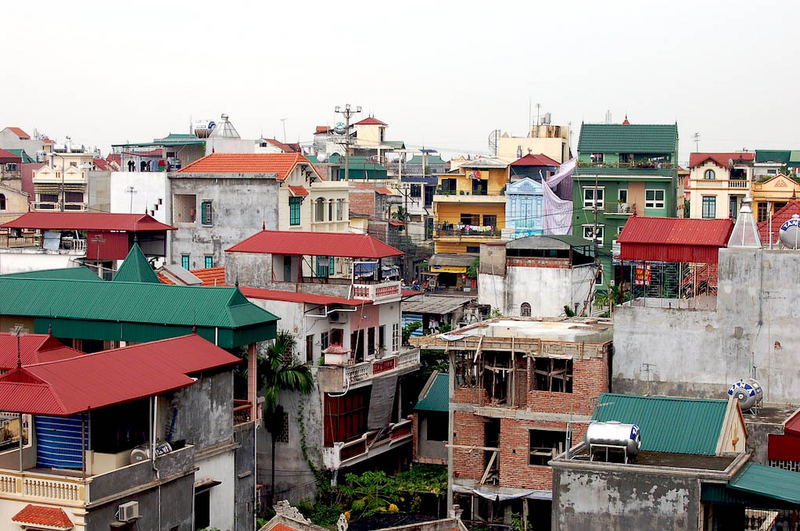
{"x": 40, "y": 487}
{"x": 339, "y": 378}
{"x": 458, "y": 231}
{"x": 369, "y": 444}
{"x": 736, "y": 184}
{"x": 388, "y": 291}
{"x": 45, "y": 205}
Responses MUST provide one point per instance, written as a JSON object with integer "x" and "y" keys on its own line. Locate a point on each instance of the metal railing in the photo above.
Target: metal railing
{"x": 467, "y": 230}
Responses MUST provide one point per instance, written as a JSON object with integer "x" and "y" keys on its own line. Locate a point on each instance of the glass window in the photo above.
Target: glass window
{"x": 2, "y": 201}
{"x": 525, "y": 310}
{"x": 709, "y": 206}
{"x": 339, "y": 209}
{"x": 592, "y": 195}
{"x": 709, "y": 174}
{"x": 209, "y": 261}
{"x": 205, "y": 213}
{"x": 319, "y": 211}
{"x": 416, "y": 190}
{"x": 654, "y": 198}
{"x": 185, "y": 261}
{"x": 490, "y": 221}
{"x": 589, "y": 229}
{"x": 330, "y": 210}
{"x": 294, "y": 211}
{"x": 622, "y": 195}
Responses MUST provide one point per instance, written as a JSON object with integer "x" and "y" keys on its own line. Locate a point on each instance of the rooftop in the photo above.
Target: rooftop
{"x": 91, "y": 381}
{"x": 488, "y": 163}
{"x": 7, "y": 156}
{"x": 281, "y": 164}
{"x": 22, "y": 135}
{"x": 34, "y": 348}
{"x": 636, "y": 138}
{"x": 434, "y": 397}
{"x": 436, "y": 304}
{"x": 298, "y": 243}
{"x": 90, "y": 221}
{"x": 41, "y": 517}
{"x": 371, "y": 120}
{"x": 299, "y": 297}
{"x": 779, "y": 218}
{"x": 135, "y": 268}
{"x": 535, "y": 160}
{"x": 721, "y": 159}
{"x": 572, "y": 329}
{"x": 676, "y": 231}
{"x": 566, "y": 241}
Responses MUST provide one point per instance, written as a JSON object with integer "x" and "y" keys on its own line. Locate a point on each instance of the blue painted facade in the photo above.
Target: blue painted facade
{"x": 524, "y": 203}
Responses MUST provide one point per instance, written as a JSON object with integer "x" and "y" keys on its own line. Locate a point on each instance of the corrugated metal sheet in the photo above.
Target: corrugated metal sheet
{"x": 437, "y": 398}
{"x": 67, "y": 273}
{"x": 111, "y": 245}
{"x": 674, "y": 239}
{"x": 135, "y": 268}
{"x": 34, "y": 348}
{"x": 636, "y": 138}
{"x": 95, "y": 221}
{"x": 315, "y": 244}
{"x": 668, "y": 424}
{"x": 768, "y": 481}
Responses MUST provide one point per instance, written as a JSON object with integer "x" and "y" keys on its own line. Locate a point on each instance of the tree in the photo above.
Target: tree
{"x": 279, "y": 372}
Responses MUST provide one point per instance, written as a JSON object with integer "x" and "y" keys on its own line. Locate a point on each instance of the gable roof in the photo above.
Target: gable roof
{"x": 720, "y": 159}
{"x": 40, "y": 516}
{"x": 779, "y": 218}
{"x": 8, "y": 156}
{"x": 286, "y": 148}
{"x": 667, "y": 424}
{"x": 92, "y": 381}
{"x": 70, "y": 273}
{"x": 637, "y": 138}
{"x": 22, "y": 154}
{"x": 489, "y": 163}
{"x": 370, "y": 120}
{"x": 101, "y": 164}
{"x": 280, "y": 164}
{"x": 34, "y": 348}
{"x": 94, "y": 221}
{"x": 22, "y": 135}
{"x": 535, "y": 160}
{"x": 676, "y": 231}
{"x": 299, "y": 243}
{"x": 773, "y": 155}
{"x": 769, "y": 481}
{"x": 135, "y": 268}
{"x": 436, "y": 395}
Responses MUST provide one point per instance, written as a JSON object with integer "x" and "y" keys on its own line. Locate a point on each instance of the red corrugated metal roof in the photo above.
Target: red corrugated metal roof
{"x": 293, "y": 296}
{"x": 280, "y": 163}
{"x": 34, "y": 348}
{"x": 100, "y": 164}
{"x": 97, "y": 221}
{"x": 22, "y": 135}
{"x": 535, "y": 160}
{"x": 109, "y": 377}
{"x": 383, "y": 191}
{"x": 721, "y": 159}
{"x": 779, "y": 218}
{"x": 7, "y": 156}
{"x": 371, "y": 120}
{"x": 792, "y": 425}
{"x": 40, "y": 516}
{"x": 298, "y": 190}
{"x": 315, "y": 244}
{"x": 674, "y": 239}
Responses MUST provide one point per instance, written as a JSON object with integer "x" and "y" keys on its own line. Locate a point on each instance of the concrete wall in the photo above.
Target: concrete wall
{"x": 701, "y": 353}
{"x": 204, "y": 411}
{"x": 18, "y": 261}
{"x": 245, "y": 478}
{"x": 98, "y": 195}
{"x": 241, "y": 206}
{"x": 220, "y": 468}
{"x": 150, "y": 193}
{"x": 425, "y": 450}
{"x": 618, "y": 499}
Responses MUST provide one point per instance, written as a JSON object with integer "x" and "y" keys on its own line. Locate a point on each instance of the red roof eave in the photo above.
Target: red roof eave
{"x": 89, "y": 221}
{"x": 303, "y": 243}
{"x": 299, "y": 297}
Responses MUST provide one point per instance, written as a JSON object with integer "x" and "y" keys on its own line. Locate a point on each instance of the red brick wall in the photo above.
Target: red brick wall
{"x": 589, "y": 379}
{"x": 362, "y": 202}
{"x": 468, "y": 430}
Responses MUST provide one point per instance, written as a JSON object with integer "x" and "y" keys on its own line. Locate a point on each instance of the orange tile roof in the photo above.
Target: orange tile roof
{"x": 298, "y": 190}
{"x": 164, "y": 279}
{"x": 280, "y": 163}
{"x": 286, "y": 148}
{"x": 20, "y": 133}
{"x": 37, "y": 515}
{"x": 212, "y": 276}
{"x": 283, "y": 527}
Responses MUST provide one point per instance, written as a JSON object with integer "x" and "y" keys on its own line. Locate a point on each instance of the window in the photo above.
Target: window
{"x": 473, "y": 249}
{"x": 480, "y": 187}
{"x": 339, "y": 209}
{"x": 382, "y": 338}
{"x": 73, "y": 197}
{"x": 185, "y": 205}
{"x": 544, "y": 445}
{"x": 622, "y": 195}
{"x": 525, "y": 309}
{"x": 310, "y": 348}
{"x": 337, "y": 335}
{"x": 470, "y": 219}
{"x": 283, "y": 435}
{"x": 619, "y": 229}
{"x": 185, "y": 261}
{"x": 654, "y": 198}
{"x": 436, "y": 426}
{"x": 416, "y": 190}
{"x": 319, "y": 210}
{"x": 209, "y": 261}
{"x": 709, "y": 174}
{"x": 2, "y": 201}
{"x": 205, "y": 213}
{"x": 345, "y": 417}
{"x": 598, "y": 279}
{"x": 202, "y": 509}
{"x": 395, "y": 337}
{"x": 553, "y": 375}
{"x": 490, "y": 221}
{"x": 709, "y": 206}
{"x": 448, "y": 186}
{"x": 597, "y": 157}
{"x": 322, "y": 266}
{"x": 592, "y": 196}
{"x": 330, "y": 210}
{"x": 324, "y": 340}
{"x": 371, "y": 341}
{"x": 294, "y": 211}
{"x": 589, "y": 229}
{"x": 287, "y": 268}
{"x": 763, "y": 212}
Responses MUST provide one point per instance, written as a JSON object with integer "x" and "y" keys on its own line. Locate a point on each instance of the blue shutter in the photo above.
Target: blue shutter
{"x": 58, "y": 442}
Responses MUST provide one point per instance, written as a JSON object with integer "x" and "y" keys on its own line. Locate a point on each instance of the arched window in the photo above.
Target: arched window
{"x": 709, "y": 174}
{"x": 2, "y": 201}
{"x": 319, "y": 211}
{"x": 525, "y": 309}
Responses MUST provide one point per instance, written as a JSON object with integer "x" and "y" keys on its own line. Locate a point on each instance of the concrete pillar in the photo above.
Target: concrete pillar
{"x": 252, "y": 385}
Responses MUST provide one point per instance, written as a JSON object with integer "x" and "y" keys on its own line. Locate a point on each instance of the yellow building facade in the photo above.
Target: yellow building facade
{"x": 772, "y": 195}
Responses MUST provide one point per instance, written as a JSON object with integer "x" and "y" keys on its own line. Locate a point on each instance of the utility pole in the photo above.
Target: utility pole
{"x": 131, "y": 190}
{"x": 283, "y": 122}
{"x": 347, "y": 112}
{"x": 697, "y": 142}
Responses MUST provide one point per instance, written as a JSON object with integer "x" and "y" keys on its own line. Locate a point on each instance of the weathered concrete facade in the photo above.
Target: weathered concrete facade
{"x": 696, "y": 352}
{"x": 240, "y": 206}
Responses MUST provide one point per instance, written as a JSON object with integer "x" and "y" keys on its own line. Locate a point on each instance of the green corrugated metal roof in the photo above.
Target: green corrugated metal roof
{"x": 773, "y": 155}
{"x": 26, "y": 159}
{"x": 132, "y": 302}
{"x": 635, "y": 138}
{"x": 667, "y": 424}
{"x": 794, "y": 158}
{"x": 135, "y": 268}
{"x": 768, "y": 481}
{"x": 67, "y": 273}
{"x": 438, "y": 397}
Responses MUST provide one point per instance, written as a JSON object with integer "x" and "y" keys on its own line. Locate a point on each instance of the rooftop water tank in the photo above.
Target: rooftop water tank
{"x": 790, "y": 232}
{"x": 616, "y": 435}
{"x": 748, "y": 392}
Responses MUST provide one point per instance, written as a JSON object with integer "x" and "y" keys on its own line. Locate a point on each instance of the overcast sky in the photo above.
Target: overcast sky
{"x": 441, "y": 74}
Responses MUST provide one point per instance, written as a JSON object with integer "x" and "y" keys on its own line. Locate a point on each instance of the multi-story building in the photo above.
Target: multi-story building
{"x": 550, "y": 140}
{"x": 16, "y": 138}
{"x": 144, "y": 435}
{"x": 13, "y": 200}
{"x": 718, "y": 182}
{"x": 772, "y": 162}
{"x": 623, "y": 169}
{"x": 62, "y": 183}
{"x": 520, "y": 392}
{"x": 772, "y": 194}
{"x": 333, "y": 295}
{"x": 223, "y": 198}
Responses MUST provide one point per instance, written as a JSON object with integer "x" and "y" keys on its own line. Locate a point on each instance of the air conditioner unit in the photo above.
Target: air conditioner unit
{"x": 128, "y": 511}
{"x": 337, "y": 317}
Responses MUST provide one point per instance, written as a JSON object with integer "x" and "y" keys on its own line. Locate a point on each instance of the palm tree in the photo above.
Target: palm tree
{"x": 278, "y": 372}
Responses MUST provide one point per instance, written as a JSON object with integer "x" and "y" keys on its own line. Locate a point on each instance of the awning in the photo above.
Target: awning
{"x": 768, "y": 481}
{"x": 41, "y": 517}
{"x": 502, "y": 494}
{"x": 298, "y": 191}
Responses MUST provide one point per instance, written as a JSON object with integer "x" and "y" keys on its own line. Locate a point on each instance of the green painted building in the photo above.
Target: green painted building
{"x": 623, "y": 170}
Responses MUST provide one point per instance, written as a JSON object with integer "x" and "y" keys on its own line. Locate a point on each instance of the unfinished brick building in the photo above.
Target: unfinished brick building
{"x": 518, "y": 388}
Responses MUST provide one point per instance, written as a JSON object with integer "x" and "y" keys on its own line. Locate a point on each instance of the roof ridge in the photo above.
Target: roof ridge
{"x": 663, "y": 397}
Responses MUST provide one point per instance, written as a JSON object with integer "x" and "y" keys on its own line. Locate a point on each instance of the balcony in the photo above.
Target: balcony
{"x": 720, "y": 184}
{"x": 340, "y": 378}
{"x": 50, "y": 206}
{"x": 621, "y": 209}
{"x": 388, "y": 291}
{"x": 369, "y": 444}
{"x": 452, "y": 197}
{"x": 466, "y": 231}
